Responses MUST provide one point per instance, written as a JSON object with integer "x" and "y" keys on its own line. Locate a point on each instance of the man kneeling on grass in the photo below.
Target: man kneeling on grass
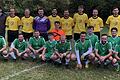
{"x": 19, "y": 48}
{"x": 36, "y": 44}
{"x": 83, "y": 51}
{"x": 103, "y": 52}
{"x": 49, "y": 48}
{"x": 117, "y": 54}
{"x": 63, "y": 52}
{"x": 3, "y": 47}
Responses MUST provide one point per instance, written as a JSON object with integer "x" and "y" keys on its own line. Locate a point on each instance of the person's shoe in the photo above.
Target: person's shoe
{"x": 117, "y": 67}
{"x": 86, "y": 65}
{"x": 67, "y": 66}
{"x": 79, "y": 66}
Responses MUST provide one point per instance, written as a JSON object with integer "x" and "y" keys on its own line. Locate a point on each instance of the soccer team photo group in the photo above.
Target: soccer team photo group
{"x": 76, "y": 42}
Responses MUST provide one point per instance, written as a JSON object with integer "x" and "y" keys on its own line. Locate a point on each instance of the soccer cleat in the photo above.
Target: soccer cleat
{"x": 86, "y": 65}
{"x": 117, "y": 67}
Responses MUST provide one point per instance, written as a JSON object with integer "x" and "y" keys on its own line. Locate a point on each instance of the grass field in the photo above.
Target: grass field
{"x": 25, "y": 70}
{"x": 28, "y": 70}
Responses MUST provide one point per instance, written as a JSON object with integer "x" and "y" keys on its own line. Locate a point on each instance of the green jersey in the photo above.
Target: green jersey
{"x": 21, "y": 46}
{"x": 93, "y": 38}
{"x": 2, "y": 42}
{"x": 103, "y": 50}
{"x": 63, "y": 47}
{"x": 83, "y": 46}
{"x": 50, "y": 46}
{"x": 37, "y": 43}
{"x": 114, "y": 41}
{"x": 117, "y": 49}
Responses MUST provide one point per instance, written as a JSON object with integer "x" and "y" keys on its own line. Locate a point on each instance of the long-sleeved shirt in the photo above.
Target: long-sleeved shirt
{"x": 41, "y": 24}
{"x": 2, "y": 21}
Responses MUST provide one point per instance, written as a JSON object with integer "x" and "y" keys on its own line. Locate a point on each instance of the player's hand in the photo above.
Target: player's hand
{"x": 43, "y": 57}
{"x": 79, "y": 66}
{"x": 61, "y": 55}
{"x": 37, "y": 51}
{"x": 102, "y": 58}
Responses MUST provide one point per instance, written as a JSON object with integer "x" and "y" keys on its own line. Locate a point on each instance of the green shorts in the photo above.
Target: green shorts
{"x": 48, "y": 55}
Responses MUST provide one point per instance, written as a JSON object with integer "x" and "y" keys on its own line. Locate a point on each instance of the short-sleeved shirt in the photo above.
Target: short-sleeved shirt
{"x": 93, "y": 38}
{"x": 83, "y": 46}
{"x": 50, "y": 46}
{"x": 57, "y": 34}
{"x": 27, "y": 24}
{"x": 113, "y": 22}
{"x": 114, "y": 41}
{"x": 117, "y": 49}
{"x": 2, "y": 42}
{"x": 13, "y": 23}
{"x": 97, "y": 23}
{"x": 21, "y": 46}
{"x": 80, "y": 21}
{"x": 103, "y": 50}
{"x": 37, "y": 43}
{"x": 63, "y": 47}
{"x": 67, "y": 25}
{"x": 52, "y": 20}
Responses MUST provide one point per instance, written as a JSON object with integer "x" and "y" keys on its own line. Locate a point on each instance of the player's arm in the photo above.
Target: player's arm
{"x": 4, "y": 45}
{"x": 116, "y": 56}
{"x": 77, "y": 54}
{"x": 96, "y": 54}
{"x": 108, "y": 22}
{"x": 31, "y": 48}
{"x": 110, "y": 51}
{"x": 89, "y": 49}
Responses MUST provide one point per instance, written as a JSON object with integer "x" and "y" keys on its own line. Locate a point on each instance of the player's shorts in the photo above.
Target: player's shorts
{"x": 48, "y": 55}
{"x": 27, "y": 35}
{"x": 12, "y": 35}
{"x": 68, "y": 37}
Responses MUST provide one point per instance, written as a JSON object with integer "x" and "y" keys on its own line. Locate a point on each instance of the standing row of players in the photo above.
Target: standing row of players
{"x": 88, "y": 48}
{"x": 44, "y": 24}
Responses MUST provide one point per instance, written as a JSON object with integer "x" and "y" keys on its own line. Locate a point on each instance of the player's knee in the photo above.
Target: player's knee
{"x": 25, "y": 55}
{"x": 11, "y": 50}
{"x": 68, "y": 56}
{"x": 73, "y": 57}
{"x": 110, "y": 58}
{"x": 91, "y": 56}
{"x": 4, "y": 52}
{"x": 114, "y": 60}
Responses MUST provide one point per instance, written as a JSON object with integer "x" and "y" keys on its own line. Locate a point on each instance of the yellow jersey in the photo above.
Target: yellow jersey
{"x": 80, "y": 21}
{"x": 12, "y": 23}
{"x": 113, "y": 22}
{"x": 52, "y": 20}
{"x": 27, "y": 24}
{"x": 67, "y": 25}
{"x": 97, "y": 23}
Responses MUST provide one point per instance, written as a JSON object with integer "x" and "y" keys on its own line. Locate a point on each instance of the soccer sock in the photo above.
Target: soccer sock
{"x": 67, "y": 61}
{"x": 12, "y": 54}
{"x": 58, "y": 60}
{"x": 87, "y": 61}
{"x": 115, "y": 64}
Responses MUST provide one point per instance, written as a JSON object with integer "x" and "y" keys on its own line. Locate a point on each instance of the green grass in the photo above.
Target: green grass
{"x": 52, "y": 72}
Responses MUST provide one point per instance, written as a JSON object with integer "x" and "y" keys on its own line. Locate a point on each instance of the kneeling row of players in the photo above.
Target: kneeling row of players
{"x": 56, "y": 51}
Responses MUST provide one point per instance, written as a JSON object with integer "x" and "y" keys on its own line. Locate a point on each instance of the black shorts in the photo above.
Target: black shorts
{"x": 2, "y": 32}
{"x": 68, "y": 37}
{"x": 44, "y": 35}
{"x": 76, "y": 36}
{"x": 98, "y": 34}
{"x": 12, "y": 35}
{"x": 27, "y": 35}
